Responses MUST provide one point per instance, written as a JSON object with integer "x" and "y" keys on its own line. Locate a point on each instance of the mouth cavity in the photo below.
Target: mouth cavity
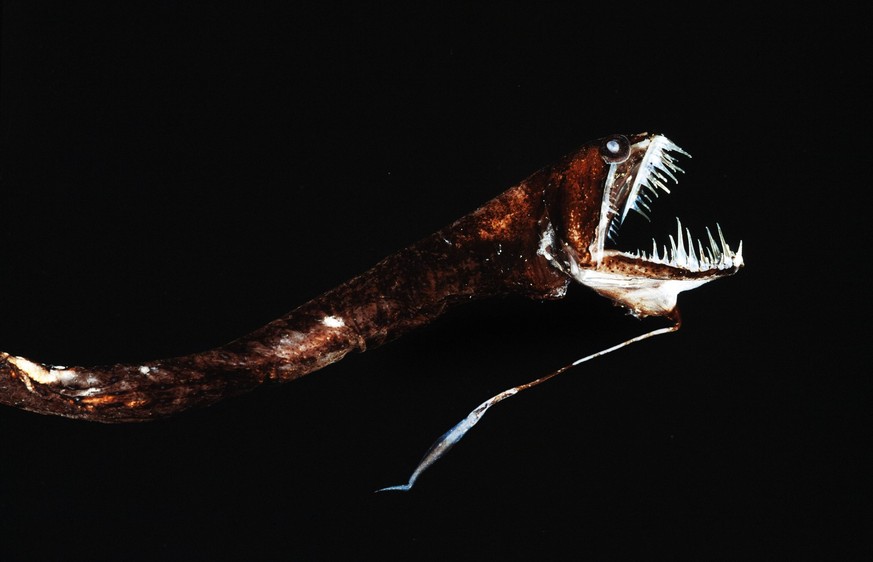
{"x": 634, "y": 185}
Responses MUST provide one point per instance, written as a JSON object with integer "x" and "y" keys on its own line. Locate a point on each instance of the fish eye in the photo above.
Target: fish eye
{"x": 615, "y": 149}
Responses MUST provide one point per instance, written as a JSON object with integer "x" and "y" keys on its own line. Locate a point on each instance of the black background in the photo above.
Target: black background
{"x": 175, "y": 176}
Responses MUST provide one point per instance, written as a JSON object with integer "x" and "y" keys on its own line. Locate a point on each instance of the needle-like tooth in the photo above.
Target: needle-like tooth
{"x": 651, "y": 183}
{"x": 669, "y": 163}
{"x": 724, "y": 246}
{"x": 675, "y": 168}
{"x": 725, "y": 261}
{"x": 640, "y": 211}
{"x": 655, "y": 251}
{"x": 675, "y": 148}
{"x": 674, "y": 252}
{"x": 660, "y": 184}
{"x": 692, "y": 257}
{"x": 680, "y": 239}
{"x": 666, "y": 169}
{"x": 703, "y": 260}
{"x": 713, "y": 246}
{"x": 738, "y": 257}
{"x": 673, "y": 161}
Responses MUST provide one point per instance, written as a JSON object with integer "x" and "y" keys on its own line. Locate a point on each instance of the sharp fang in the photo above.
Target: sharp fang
{"x": 716, "y": 254}
{"x": 655, "y": 168}
{"x": 704, "y": 260}
{"x": 658, "y": 182}
{"x": 681, "y": 256}
{"x": 652, "y": 189}
{"x": 693, "y": 264}
{"x": 640, "y": 211}
{"x": 666, "y": 170}
{"x": 726, "y": 255}
{"x": 725, "y": 248}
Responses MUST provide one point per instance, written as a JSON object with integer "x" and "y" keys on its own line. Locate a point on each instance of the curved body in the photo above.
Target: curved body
{"x": 489, "y": 252}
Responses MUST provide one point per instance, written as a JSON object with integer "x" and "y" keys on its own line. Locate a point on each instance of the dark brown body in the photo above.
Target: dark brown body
{"x": 494, "y": 250}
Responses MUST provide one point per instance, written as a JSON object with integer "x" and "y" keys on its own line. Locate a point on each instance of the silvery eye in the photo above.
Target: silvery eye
{"x": 615, "y": 149}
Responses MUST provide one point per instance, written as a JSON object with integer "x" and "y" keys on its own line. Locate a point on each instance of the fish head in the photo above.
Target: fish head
{"x": 589, "y": 196}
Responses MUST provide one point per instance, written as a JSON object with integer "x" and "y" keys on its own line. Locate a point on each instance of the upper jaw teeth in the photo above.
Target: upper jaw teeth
{"x": 657, "y": 168}
{"x": 653, "y": 174}
{"x": 682, "y": 255}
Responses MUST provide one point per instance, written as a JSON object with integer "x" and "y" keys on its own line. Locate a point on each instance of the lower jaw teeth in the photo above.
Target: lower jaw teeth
{"x": 714, "y": 256}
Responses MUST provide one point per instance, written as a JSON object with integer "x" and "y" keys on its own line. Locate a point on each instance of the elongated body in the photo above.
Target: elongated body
{"x": 531, "y": 240}
{"x": 490, "y": 252}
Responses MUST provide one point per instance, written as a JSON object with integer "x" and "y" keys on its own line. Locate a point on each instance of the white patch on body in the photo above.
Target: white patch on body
{"x": 292, "y": 339}
{"x": 296, "y": 344}
{"x": 547, "y": 241}
{"x": 42, "y": 375}
{"x": 145, "y": 370}
{"x": 85, "y": 392}
{"x": 333, "y": 322}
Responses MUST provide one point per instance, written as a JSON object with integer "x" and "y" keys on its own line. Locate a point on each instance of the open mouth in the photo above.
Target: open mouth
{"x": 633, "y": 185}
{"x": 642, "y": 168}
